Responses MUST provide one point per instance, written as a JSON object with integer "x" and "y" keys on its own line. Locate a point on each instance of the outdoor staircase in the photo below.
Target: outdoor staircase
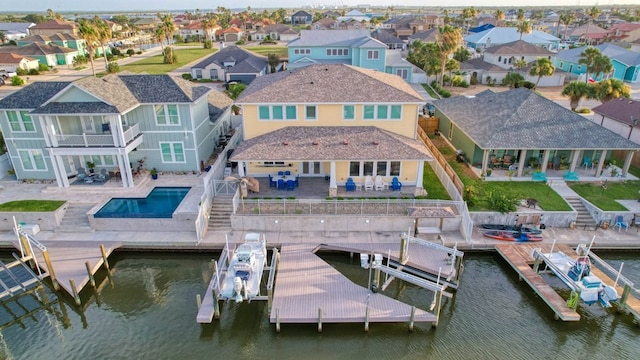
{"x": 584, "y": 219}
{"x": 220, "y": 215}
{"x": 75, "y": 218}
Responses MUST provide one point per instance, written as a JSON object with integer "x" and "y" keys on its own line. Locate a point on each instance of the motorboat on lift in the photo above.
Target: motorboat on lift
{"x": 244, "y": 274}
{"x": 513, "y": 228}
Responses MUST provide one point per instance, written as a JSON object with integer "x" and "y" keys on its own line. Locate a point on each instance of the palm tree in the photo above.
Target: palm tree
{"x": 520, "y": 15}
{"x": 90, "y": 36}
{"x": 601, "y": 66}
{"x": 513, "y": 79}
{"x": 587, "y": 58}
{"x": 542, "y": 67}
{"x": 499, "y": 16}
{"x": 103, "y": 35}
{"x": 208, "y": 24}
{"x": 447, "y": 41}
{"x": 524, "y": 28}
{"x": 576, "y": 91}
{"x": 451, "y": 66}
{"x": 566, "y": 19}
{"x": 593, "y": 13}
{"x": 467, "y": 13}
{"x": 273, "y": 61}
{"x": 520, "y": 64}
{"x": 610, "y": 89}
{"x": 168, "y": 27}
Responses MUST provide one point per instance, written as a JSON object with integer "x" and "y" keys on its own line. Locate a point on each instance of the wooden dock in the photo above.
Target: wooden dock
{"x": 311, "y": 291}
{"x": 519, "y": 257}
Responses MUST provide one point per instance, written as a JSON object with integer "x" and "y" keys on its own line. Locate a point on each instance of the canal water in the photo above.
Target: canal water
{"x": 150, "y": 312}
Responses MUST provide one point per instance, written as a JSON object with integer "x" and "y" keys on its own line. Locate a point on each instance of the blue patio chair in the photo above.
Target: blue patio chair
{"x": 297, "y": 181}
{"x": 620, "y": 223}
{"x": 280, "y": 173}
{"x": 350, "y": 185}
{"x": 396, "y": 185}
{"x": 103, "y": 177}
{"x": 272, "y": 183}
{"x": 291, "y": 185}
{"x": 586, "y": 162}
{"x": 82, "y": 173}
{"x": 287, "y": 173}
{"x": 281, "y": 184}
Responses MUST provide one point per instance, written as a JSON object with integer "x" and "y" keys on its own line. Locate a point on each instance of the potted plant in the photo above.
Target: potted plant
{"x": 91, "y": 166}
{"x": 12, "y": 173}
{"x": 154, "y": 174}
{"x": 489, "y": 171}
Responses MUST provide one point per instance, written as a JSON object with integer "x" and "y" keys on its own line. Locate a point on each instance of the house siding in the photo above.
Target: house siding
{"x": 76, "y": 95}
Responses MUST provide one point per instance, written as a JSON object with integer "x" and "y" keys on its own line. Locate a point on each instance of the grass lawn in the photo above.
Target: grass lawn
{"x": 430, "y": 91}
{"x": 154, "y": 64}
{"x": 265, "y": 50}
{"x": 547, "y": 198}
{"x": 433, "y": 186}
{"x": 31, "y": 205}
{"x": 605, "y": 199}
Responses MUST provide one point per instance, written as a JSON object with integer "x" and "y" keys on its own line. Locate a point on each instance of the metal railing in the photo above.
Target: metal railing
{"x": 85, "y": 140}
{"x": 131, "y": 133}
{"x": 299, "y": 207}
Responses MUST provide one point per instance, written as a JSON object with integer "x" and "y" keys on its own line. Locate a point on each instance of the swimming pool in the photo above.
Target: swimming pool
{"x": 160, "y": 203}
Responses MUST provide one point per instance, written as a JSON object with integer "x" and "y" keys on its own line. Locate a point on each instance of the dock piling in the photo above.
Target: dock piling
{"x": 413, "y": 313}
{"x": 91, "y": 279}
{"x": 104, "y": 257}
{"x": 366, "y": 319}
{"x": 76, "y": 297}
{"x": 198, "y": 300}
{"x": 319, "y": 320}
{"x": 52, "y": 274}
{"x": 277, "y": 320}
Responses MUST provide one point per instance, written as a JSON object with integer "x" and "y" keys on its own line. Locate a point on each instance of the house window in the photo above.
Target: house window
{"x": 394, "y": 169}
{"x": 103, "y": 160}
{"x": 277, "y": 112}
{"x": 310, "y": 112}
{"x": 198, "y": 73}
{"x": 381, "y": 168}
{"x": 372, "y": 54}
{"x": 302, "y": 51}
{"x": 354, "y": 168}
{"x": 382, "y": 112}
{"x": 403, "y": 73}
{"x": 348, "y": 112}
{"x": 167, "y": 115}
{"x": 499, "y": 58}
{"x": 367, "y": 167}
{"x": 20, "y": 121}
{"x": 172, "y": 152}
{"x": 561, "y": 64}
{"x": 32, "y": 160}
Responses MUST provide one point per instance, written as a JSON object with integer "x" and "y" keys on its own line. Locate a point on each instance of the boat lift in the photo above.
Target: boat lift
{"x": 209, "y": 307}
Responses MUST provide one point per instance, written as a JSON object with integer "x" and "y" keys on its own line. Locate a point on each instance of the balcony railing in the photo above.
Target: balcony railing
{"x": 85, "y": 140}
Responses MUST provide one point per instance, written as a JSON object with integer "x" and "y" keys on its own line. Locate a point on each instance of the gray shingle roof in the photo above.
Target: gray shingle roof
{"x": 162, "y": 89}
{"x": 623, "y": 110}
{"x": 325, "y": 83}
{"x": 614, "y": 52}
{"x": 246, "y": 61}
{"x": 33, "y": 95}
{"x": 306, "y": 143}
{"x": 518, "y": 48}
{"x": 329, "y": 38}
{"x": 110, "y": 89}
{"x": 78, "y": 108}
{"x": 480, "y": 64}
{"x": 217, "y": 102}
{"x": 521, "y": 119}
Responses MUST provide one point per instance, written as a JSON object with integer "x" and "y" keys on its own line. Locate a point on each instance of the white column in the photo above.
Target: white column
{"x": 574, "y": 159}
{"x": 485, "y": 160}
{"x": 125, "y": 171}
{"x": 420, "y": 174}
{"x": 601, "y": 161}
{"x": 332, "y": 178}
{"x": 521, "y": 161}
{"x": 241, "y": 168}
{"x": 58, "y": 170}
{"x": 627, "y": 163}
{"x": 115, "y": 127}
{"x": 545, "y": 160}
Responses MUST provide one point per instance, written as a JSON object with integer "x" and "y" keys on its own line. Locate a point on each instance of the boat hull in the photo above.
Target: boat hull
{"x": 511, "y": 236}
{"x": 512, "y": 228}
{"x": 244, "y": 273}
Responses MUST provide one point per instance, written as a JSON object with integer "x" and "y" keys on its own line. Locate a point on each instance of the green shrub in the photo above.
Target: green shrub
{"x": 444, "y": 93}
{"x": 187, "y": 76}
{"x": 34, "y": 72}
{"x": 207, "y": 44}
{"x": 116, "y": 52}
{"x": 240, "y": 42}
{"x": 113, "y": 67}
{"x": 502, "y": 203}
{"x": 170, "y": 56}
{"x": 583, "y": 111}
{"x": 17, "y": 81}
{"x": 528, "y": 84}
{"x": 43, "y": 67}
{"x": 21, "y": 72}
{"x": 130, "y": 52}
{"x": 138, "y": 52}
{"x": 109, "y": 57}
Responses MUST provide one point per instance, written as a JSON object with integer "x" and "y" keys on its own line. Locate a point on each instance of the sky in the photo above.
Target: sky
{"x": 40, "y": 6}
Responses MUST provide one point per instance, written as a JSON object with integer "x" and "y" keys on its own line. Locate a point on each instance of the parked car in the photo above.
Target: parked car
{"x": 429, "y": 109}
{"x": 7, "y": 74}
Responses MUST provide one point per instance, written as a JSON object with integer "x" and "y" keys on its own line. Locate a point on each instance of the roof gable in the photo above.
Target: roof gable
{"x": 33, "y": 95}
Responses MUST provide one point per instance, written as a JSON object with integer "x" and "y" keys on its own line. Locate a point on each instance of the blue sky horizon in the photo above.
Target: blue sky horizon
{"x": 40, "y": 6}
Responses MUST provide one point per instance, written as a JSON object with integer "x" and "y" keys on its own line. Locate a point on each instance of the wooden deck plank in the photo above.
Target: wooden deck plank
{"x": 305, "y": 283}
{"x": 519, "y": 257}
{"x": 68, "y": 260}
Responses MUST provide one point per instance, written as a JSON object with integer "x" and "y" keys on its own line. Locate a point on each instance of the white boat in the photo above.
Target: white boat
{"x": 578, "y": 272}
{"x": 244, "y": 274}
